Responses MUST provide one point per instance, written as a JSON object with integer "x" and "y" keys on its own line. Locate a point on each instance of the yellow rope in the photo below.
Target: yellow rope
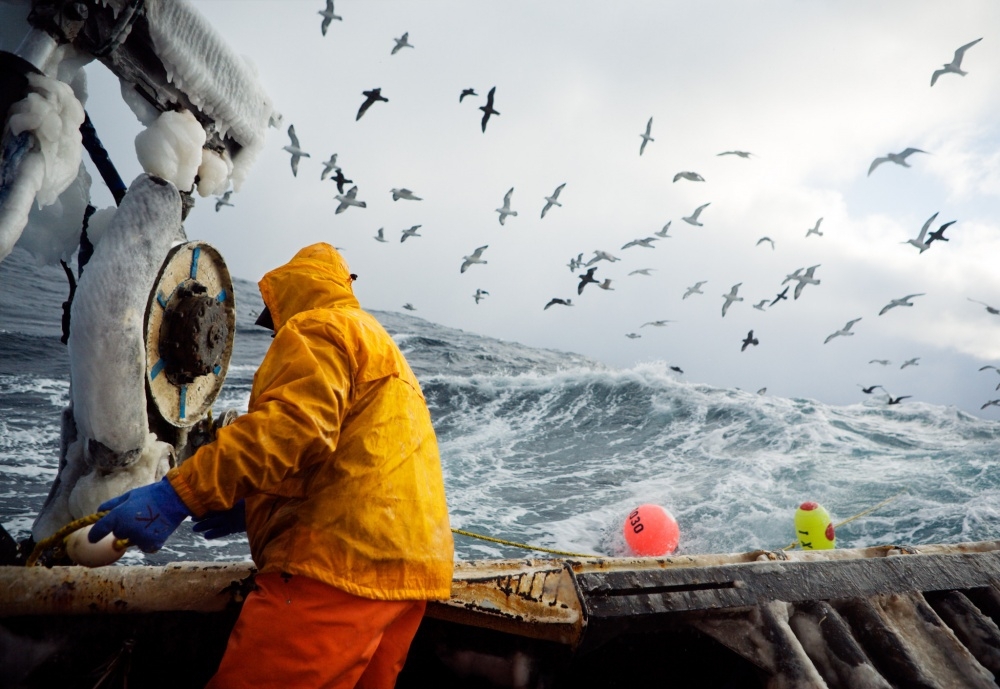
{"x": 491, "y": 539}
{"x": 57, "y": 541}
{"x": 860, "y": 514}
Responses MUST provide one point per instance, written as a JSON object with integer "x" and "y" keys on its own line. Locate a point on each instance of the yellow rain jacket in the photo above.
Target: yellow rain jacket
{"x": 336, "y": 458}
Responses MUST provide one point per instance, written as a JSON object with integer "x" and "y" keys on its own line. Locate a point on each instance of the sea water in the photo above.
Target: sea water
{"x": 553, "y": 449}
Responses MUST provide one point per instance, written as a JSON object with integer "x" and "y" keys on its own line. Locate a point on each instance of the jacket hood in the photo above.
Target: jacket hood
{"x": 317, "y": 277}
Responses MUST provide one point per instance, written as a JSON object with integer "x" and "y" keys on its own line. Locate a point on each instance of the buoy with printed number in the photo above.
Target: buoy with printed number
{"x": 651, "y": 531}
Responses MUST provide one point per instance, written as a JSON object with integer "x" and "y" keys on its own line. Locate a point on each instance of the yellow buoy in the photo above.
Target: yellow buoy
{"x": 813, "y": 527}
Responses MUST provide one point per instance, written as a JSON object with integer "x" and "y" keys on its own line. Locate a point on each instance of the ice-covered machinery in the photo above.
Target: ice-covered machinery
{"x": 152, "y": 318}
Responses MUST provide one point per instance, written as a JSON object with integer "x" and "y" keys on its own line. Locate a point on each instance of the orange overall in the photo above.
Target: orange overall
{"x": 338, "y": 464}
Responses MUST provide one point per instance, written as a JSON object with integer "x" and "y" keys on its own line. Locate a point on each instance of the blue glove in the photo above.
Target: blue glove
{"x": 225, "y": 523}
{"x": 146, "y": 516}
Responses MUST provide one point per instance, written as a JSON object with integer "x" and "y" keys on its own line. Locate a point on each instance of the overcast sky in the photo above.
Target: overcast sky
{"x": 814, "y": 90}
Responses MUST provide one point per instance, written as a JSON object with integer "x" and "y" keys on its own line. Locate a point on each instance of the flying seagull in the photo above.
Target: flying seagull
{"x": 349, "y": 199}
{"x": 412, "y": 232}
{"x": 871, "y": 388}
{"x": 480, "y": 294}
{"x": 760, "y": 305}
{"x": 328, "y": 16}
{"x": 910, "y": 362}
{"x": 919, "y": 241}
{"x": 955, "y": 66}
{"x": 401, "y": 42}
{"x": 475, "y": 257}
{"x": 741, "y": 154}
{"x": 783, "y": 294}
{"x": 644, "y": 241}
{"x": 575, "y": 262}
{"x": 554, "y": 301}
{"x": 340, "y": 180}
{"x": 380, "y": 235}
{"x": 694, "y": 289}
{"x": 633, "y": 336}
{"x": 466, "y": 92}
{"x": 990, "y": 309}
{"x": 552, "y": 200}
{"x": 846, "y": 330}
{"x": 295, "y": 150}
{"x": 505, "y": 210}
{"x": 690, "y": 176}
{"x": 329, "y": 166}
{"x": 991, "y": 403}
{"x": 815, "y": 229}
{"x": 881, "y": 362}
{"x": 897, "y": 400}
{"x": 646, "y": 138}
{"x": 642, "y": 271}
{"x": 904, "y": 301}
{"x": 730, "y": 298}
{"x": 406, "y": 194}
{"x": 223, "y": 200}
{"x": 749, "y": 340}
{"x": 693, "y": 218}
{"x": 938, "y": 234}
{"x": 488, "y": 108}
{"x": 898, "y": 158}
{"x": 606, "y": 285}
{"x": 370, "y": 98}
{"x": 677, "y": 369}
{"x": 409, "y": 307}
{"x": 657, "y": 324}
{"x": 586, "y": 279}
{"x": 806, "y": 279}
{"x": 663, "y": 232}
{"x": 765, "y": 239}
{"x": 602, "y": 256}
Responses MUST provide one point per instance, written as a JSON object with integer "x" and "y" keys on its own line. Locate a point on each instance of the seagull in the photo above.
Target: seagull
{"x": 765, "y": 239}
{"x": 646, "y": 138}
{"x": 845, "y": 331}
{"x": 910, "y": 362}
{"x": 793, "y": 276}
{"x": 741, "y": 154}
{"x": 730, "y": 298}
{"x": 815, "y": 229}
{"x": 401, "y": 42}
{"x": 990, "y": 309}
{"x": 693, "y": 218}
{"x": 904, "y": 301}
{"x": 762, "y": 391}
{"x": 223, "y": 200}
{"x": 938, "y": 234}
{"x": 349, "y": 199}
{"x": 749, "y": 340}
{"x": 294, "y": 149}
{"x": 783, "y": 294}
{"x": 406, "y": 194}
{"x": 341, "y": 180}
{"x": 551, "y": 200}
{"x": 677, "y": 369}
{"x": 641, "y": 271}
{"x": 663, "y": 232}
{"x": 467, "y": 92}
{"x": 370, "y": 98}
{"x": 694, "y": 289}
{"x": 380, "y": 236}
{"x": 898, "y": 158}
{"x": 657, "y": 324}
{"x": 919, "y": 241}
{"x": 991, "y": 403}
{"x": 409, "y": 307}
{"x": 806, "y": 279}
{"x": 691, "y": 176}
{"x": 955, "y": 66}
{"x": 328, "y": 16}
{"x": 412, "y": 232}
{"x": 602, "y": 256}
{"x": 488, "y": 108}
{"x": 575, "y": 262}
{"x": 586, "y": 279}
{"x": 480, "y": 294}
{"x": 329, "y": 166}
{"x": 505, "y": 210}
{"x": 554, "y": 301}
{"x": 633, "y": 336}
{"x": 645, "y": 241}
{"x": 606, "y": 285}
{"x": 760, "y": 305}
{"x": 897, "y": 400}
{"x": 881, "y": 362}
{"x": 871, "y": 388}
{"x": 475, "y": 257}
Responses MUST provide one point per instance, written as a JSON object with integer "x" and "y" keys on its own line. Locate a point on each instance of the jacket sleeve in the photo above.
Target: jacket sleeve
{"x": 301, "y": 396}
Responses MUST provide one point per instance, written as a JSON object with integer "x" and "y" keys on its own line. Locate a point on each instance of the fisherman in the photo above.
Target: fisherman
{"x": 334, "y": 474}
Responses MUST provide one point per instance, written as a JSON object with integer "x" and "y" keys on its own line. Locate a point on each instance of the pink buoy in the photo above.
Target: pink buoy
{"x": 651, "y": 531}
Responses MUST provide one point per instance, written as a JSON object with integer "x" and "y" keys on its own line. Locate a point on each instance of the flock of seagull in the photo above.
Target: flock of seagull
{"x": 801, "y": 277}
